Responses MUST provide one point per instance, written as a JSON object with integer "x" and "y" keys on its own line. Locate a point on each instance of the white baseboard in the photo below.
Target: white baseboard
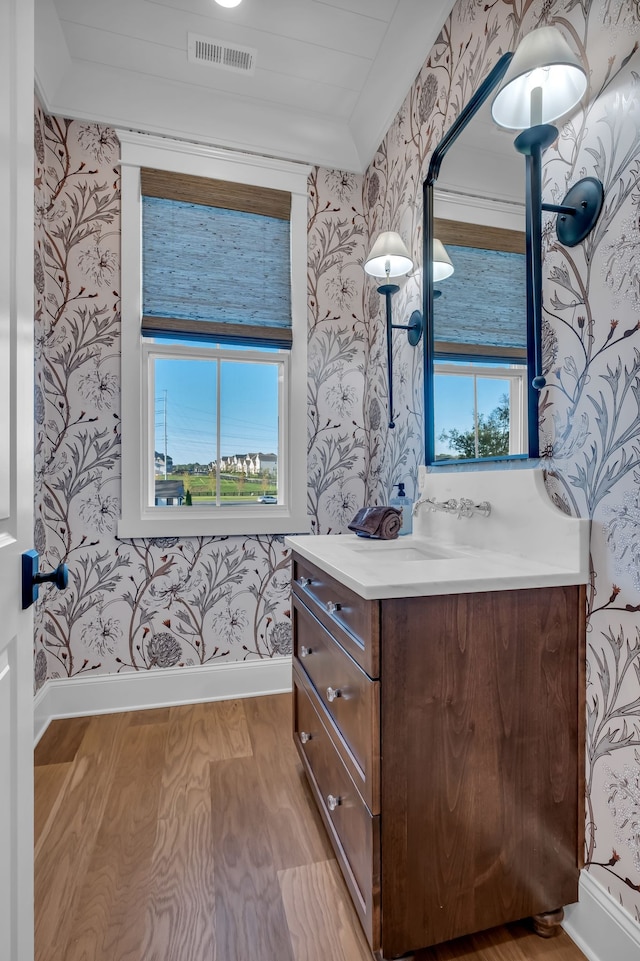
{"x": 600, "y": 926}
{"x": 139, "y": 690}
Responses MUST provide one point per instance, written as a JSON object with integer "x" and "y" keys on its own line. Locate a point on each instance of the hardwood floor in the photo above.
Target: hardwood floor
{"x": 189, "y": 834}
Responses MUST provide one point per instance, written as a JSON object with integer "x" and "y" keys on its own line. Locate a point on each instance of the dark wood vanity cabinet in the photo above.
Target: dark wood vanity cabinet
{"x": 443, "y": 739}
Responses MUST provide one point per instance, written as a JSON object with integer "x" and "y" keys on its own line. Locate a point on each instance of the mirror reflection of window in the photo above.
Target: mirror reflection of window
{"x": 479, "y": 410}
{"x": 480, "y": 350}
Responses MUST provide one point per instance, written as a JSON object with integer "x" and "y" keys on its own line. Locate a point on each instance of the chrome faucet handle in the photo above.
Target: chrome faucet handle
{"x": 465, "y": 507}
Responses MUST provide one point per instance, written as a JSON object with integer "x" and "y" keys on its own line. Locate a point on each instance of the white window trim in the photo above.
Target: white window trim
{"x": 137, "y": 518}
{"x": 516, "y": 374}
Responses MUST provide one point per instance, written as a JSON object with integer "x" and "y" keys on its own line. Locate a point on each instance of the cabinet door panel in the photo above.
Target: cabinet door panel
{"x": 480, "y": 732}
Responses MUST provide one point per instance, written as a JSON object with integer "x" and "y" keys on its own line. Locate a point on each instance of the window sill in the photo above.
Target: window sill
{"x": 505, "y": 462}
{"x": 191, "y": 522}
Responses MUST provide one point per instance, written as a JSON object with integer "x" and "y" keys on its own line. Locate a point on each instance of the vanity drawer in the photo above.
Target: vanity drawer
{"x": 353, "y": 620}
{"x": 348, "y": 697}
{"x": 354, "y": 833}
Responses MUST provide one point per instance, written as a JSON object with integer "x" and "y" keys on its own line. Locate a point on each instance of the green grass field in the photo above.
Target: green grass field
{"x": 204, "y": 486}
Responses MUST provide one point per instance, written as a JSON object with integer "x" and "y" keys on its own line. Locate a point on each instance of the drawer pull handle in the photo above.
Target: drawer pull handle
{"x": 333, "y": 802}
{"x": 305, "y": 651}
{"x": 332, "y": 607}
{"x": 305, "y": 736}
{"x": 304, "y": 581}
{"x": 333, "y": 693}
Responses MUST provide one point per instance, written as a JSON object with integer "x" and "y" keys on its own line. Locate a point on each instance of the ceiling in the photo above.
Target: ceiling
{"x": 330, "y": 75}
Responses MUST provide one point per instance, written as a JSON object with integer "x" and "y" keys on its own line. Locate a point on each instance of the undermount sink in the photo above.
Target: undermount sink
{"x": 399, "y": 551}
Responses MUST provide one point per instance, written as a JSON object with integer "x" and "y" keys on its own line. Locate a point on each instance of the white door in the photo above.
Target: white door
{"x": 16, "y": 477}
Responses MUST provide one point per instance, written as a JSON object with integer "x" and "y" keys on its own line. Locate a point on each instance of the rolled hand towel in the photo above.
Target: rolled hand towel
{"x": 381, "y": 522}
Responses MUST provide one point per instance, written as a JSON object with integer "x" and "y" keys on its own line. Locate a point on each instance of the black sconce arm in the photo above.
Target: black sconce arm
{"x": 414, "y": 333}
{"x": 389, "y": 290}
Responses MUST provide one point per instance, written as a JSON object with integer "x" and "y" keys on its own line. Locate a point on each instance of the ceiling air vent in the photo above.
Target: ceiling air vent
{"x": 224, "y": 56}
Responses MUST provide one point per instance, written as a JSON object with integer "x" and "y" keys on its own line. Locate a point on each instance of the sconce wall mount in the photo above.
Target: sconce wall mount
{"x": 579, "y": 211}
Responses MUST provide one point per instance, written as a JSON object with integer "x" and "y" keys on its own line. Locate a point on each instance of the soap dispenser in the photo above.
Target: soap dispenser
{"x": 404, "y": 502}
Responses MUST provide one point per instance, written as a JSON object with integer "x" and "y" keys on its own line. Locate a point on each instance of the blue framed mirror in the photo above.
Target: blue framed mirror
{"x": 478, "y": 350}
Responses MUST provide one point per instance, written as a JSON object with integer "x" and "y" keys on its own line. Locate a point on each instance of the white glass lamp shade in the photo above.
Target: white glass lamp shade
{"x": 228, "y": 3}
{"x": 389, "y": 256}
{"x": 543, "y": 61}
{"x": 442, "y": 266}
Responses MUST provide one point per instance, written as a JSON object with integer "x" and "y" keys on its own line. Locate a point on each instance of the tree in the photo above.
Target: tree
{"x": 493, "y": 435}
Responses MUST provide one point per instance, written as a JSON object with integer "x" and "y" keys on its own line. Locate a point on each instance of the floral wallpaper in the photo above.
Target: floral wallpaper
{"x": 590, "y": 418}
{"x": 590, "y": 408}
{"x": 354, "y": 459}
{"x": 130, "y": 605}
{"x": 148, "y": 605}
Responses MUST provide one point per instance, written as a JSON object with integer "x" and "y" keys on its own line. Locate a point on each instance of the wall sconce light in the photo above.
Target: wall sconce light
{"x": 388, "y": 258}
{"x": 442, "y": 266}
{"x": 545, "y": 80}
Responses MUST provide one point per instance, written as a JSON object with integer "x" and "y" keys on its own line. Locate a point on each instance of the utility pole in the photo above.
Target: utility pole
{"x": 165, "y": 434}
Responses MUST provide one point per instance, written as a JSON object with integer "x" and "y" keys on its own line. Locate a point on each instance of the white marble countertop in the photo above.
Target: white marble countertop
{"x": 414, "y": 566}
{"x": 524, "y": 542}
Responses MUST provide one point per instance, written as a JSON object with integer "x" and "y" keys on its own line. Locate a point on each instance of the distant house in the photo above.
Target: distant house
{"x": 235, "y": 463}
{"x": 267, "y": 463}
{"x": 159, "y": 463}
{"x": 251, "y": 465}
{"x": 169, "y": 493}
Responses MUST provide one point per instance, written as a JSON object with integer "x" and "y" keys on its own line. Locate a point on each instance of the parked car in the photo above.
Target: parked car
{"x": 267, "y": 499}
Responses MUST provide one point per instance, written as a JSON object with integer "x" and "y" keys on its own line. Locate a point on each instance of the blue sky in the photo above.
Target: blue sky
{"x": 249, "y": 417}
{"x": 454, "y": 403}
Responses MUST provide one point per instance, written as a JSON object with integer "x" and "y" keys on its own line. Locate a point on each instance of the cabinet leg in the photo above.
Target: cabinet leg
{"x": 548, "y": 924}
{"x": 378, "y": 956}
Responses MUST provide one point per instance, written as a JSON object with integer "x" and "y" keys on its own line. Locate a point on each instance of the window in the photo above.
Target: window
{"x": 213, "y": 341}
{"x": 216, "y": 430}
{"x": 480, "y": 346}
{"x": 481, "y": 410}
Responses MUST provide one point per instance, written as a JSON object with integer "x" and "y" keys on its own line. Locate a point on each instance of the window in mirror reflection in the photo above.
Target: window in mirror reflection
{"x": 480, "y": 358}
{"x": 480, "y": 409}
{"x": 483, "y": 305}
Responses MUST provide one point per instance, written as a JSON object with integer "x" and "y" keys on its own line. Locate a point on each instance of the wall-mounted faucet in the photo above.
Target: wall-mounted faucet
{"x": 461, "y": 508}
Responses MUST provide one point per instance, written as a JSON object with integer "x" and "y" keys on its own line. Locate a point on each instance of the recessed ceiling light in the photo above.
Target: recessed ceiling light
{"x": 228, "y": 3}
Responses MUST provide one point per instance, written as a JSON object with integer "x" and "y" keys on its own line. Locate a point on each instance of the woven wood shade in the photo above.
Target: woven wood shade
{"x": 216, "y": 193}
{"x": 217, "y": 333}
{"x": 482, "y": 311}
{"x": 477, "y": 235}
{"x": 215, "y": 260}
